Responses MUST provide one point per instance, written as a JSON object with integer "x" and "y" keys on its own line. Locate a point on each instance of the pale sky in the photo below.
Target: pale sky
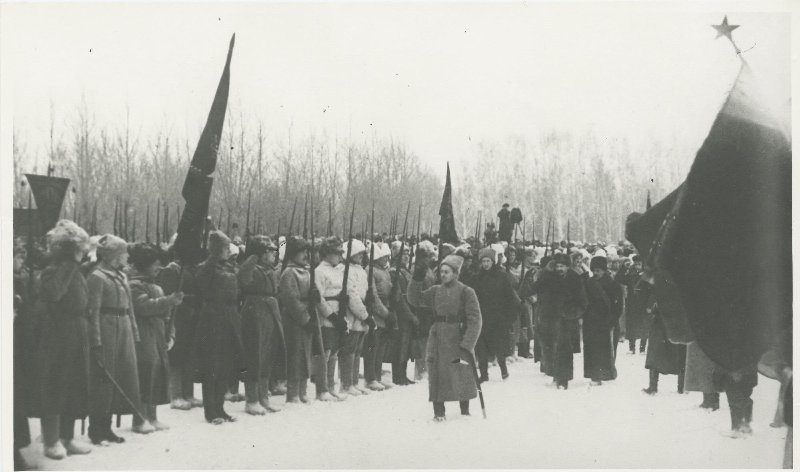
{"x": 439, "y": 77}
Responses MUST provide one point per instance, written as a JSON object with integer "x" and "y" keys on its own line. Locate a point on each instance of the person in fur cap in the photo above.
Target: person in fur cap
{"x": 262, "y": 328}
{"x": 182, "y": 328}
{"x": 499, "y": 306}
{"x": 152, "y": 309}
{"x": 637, "y": 294}
{"x": 453, "y": 336}
{"x": 407, "y": 321}
{"x": 424, "y": 314}
{"x": 218, "y": 339}
{"x": 63, "y": 350}
{"x": 295, "y": 295}
{"x": 562, "y": 299}
{"x": 113, "y": 332}
{"x": 357, "y": 318}
{"x": 602, "y": 314}
{"x": 385, "y": 319}
{"x": 328, "y": 277}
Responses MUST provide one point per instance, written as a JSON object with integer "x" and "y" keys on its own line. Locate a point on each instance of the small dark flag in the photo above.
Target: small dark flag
{"x": 197, "y": 187}
{"x": 447, "y": 222}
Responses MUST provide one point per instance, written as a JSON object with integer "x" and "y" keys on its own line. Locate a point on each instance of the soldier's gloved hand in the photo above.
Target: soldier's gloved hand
{"x": 170, "y": 344}
{"x": 176, "y": 298}
{"x": 338, "y": 322}
{"x": 96, "y": 354}
{"x": 465, "y": 355}
{"x": 314, "y": 296}
{"x": 370, "y": 321}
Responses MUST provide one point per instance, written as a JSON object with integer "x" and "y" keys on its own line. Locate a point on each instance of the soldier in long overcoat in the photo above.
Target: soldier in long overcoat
{"x": 562, "y": 299}
{"x": 218, "y": 336}
{"x": 384, "y": 316}
{"x": 296, "y": 294}
{"x": 113, "y": 332}
{"x": 329, "y": 276}
{"x": 152, "y": 309}
{"x": 407, "y": 323}
{"x": 63, "y": 362}
{"x": 499, "y": 309}
{"x": 24, "y": 352}
{"x": 262, "y": 326}
{"x": 453, "y": 336}
{"x": 602, "y": 314}
{"x": 636, "y": 304}
{"x": 424, "y": 314}
{"x": 183, "y": 324}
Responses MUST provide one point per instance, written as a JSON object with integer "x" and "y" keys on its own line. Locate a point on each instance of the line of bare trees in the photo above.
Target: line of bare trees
{"x": 109, "y": 165}
{"x": 586, "y": 183}
{"x": 590, "y": 181}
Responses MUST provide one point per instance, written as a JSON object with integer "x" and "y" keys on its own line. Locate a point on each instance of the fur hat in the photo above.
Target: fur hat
{"x": 562, "y": 259}
{"x": 356, "y": 248}
{"x": 636, "y": 258}
{"x": 598, "y": 262}
{"x": 454, "y": 262}
{"x": 331, "y": 245}
{"x": 381, "y": 250}
{"x": 258, "y": 245}
{"x": 233, "y": 251}
{"x": 296, "y": 245}
{"x": 110, "y": 246}
{"x": 66, "y": 238}
{"x": 143, "y": 255}
{"x": 428, "y": 247}
{"x": 487, "y": 253}
{"x": 218, "y": 242}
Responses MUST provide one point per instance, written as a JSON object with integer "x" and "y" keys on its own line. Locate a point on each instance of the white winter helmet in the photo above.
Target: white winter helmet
{"x": 357, "y": 248}
{"x": 381, "y": 250}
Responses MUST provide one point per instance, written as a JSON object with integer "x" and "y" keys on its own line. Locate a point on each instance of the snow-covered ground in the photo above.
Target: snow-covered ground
{"x": 529, "y": 425}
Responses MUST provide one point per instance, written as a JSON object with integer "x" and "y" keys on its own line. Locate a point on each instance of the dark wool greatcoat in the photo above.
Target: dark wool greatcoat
{"x": 183, "y": 322}
{"x": 602, "y": 313}
{"x": 636, "y": 316}
{"x": 152, "y": 310}
{"x": 294, "y": 287}
{"x": 62, "y": 364}
{"x": 262, "y": 326}
{"x": 399, "y": 348}
{"x": 25, "y": 353}
{"x": 506, "y": 228}
{"x": 218, "y": 336}
{"x": 448, "y": 378}
{"x": 562, "y": 301}
{"x": 499, "y": 304}
{"x": 113, "y": 327}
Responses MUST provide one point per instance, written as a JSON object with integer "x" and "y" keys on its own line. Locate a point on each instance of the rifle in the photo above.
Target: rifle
{"x": 343, "y": 293}
{"x": 330, "y": 219}
{"x": 147, "y": 224}
{"x": 167, "y": 227}
{"x": 402, "y": 244}
{"x": 370, "y": 285}
{"x": 158, "y": 222}
{"x": 133, "y": 231}
{"x": 247, "y": 221}
{"x": 219, "y": 219}
{"x": 228, "y": 224}
{"x": 116, "y": 211}
{"x": 396, "y": 282}
{"x": 305, "y": 218}
{"x": 547, "y": 238}
{"x": 288, "y": 235}
{"x": 567, "y": 236}
{"x": 312, "y": 308}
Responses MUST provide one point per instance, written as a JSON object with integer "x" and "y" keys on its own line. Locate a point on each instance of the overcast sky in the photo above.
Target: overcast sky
{"x": 439, "y": 77}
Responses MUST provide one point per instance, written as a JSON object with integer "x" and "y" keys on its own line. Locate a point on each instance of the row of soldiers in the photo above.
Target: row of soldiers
{"x": 104, "y": 327}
